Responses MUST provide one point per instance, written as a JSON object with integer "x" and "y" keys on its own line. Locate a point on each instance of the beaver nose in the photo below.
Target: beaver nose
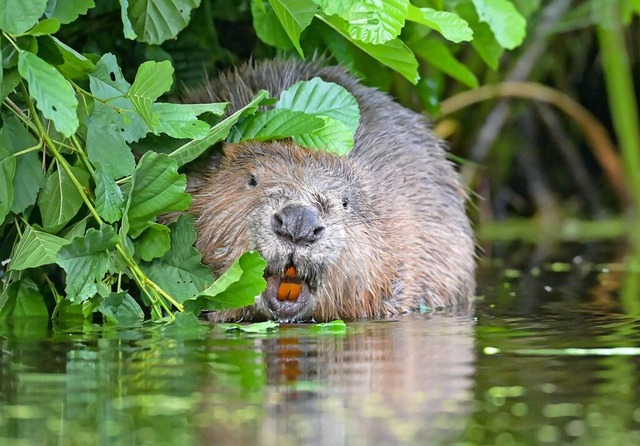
{"x": 298, "y": 224}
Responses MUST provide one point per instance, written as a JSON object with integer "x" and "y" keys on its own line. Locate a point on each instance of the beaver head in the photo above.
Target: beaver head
{"x": 314, "y": 219}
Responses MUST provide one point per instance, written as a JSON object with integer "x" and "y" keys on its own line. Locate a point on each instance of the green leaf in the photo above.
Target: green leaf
{"x": 181, "y": 120}
{"x": 59, "y": 201}
{"x": 394, "y": 53}
{"x": 437, "y": 54}
{"x": 449, "y": 24}
{"x": 484, "y": 42}
{"x": 75, "y": 65}
{"x": 17, "y": 16}
{"x": 193, "y": 149}
{"x": 23, "y": 301}
{"x": 152, "y": 80}
{"x": 7, "y": 172}
{"x": 295, "y": 16}
{"x": 154, "y": 242}
{"x": 317, "y": 97}
{"x": 339, "y": 7}
{"x": 107, "y": 83}
{"x": 336, "y": 327}
{"x": 276, "y": 124}
{"x": 157, "y": 188}
{"x": 508, "y": 26}
{"x": 129, "y": 33}
{"x": 36, "y": 248}
{"x": 66, "y": 11}
{"x": 86, "y": 260}
{"x": 45, "y": 28}
{"x": 333, "y": 137}
{"x": 180, "y": 272}
{"x": 155, "y": 21}
{"x": 28, "y": 178}
{"x": 53, "y": 94}
{"x": 375, "y": 22}
{"x": 121, "y": 308}
{"x": 106, "y": 144}
{"x": 267, "y": 25}
{"x": 185, "y": 325}
{"x": 109, "y": 200}
{"x": 10, "y": 80}
{"x": 238, "y": 286}
{"x": 255, "y": 328}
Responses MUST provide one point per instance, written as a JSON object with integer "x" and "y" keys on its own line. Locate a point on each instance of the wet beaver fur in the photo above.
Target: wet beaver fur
{"x": 378, "y": 232}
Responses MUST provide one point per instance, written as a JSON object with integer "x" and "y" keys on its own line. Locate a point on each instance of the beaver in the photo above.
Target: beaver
{"x": 373, "y": 234}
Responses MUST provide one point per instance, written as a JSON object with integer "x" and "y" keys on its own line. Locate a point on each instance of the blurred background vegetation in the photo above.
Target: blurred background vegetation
{"x": 550, "y": 136}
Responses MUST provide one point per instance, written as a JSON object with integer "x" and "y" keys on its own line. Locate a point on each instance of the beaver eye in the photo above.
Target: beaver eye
{"x": 252, "y": 181}
{"x": 345, "y": 202}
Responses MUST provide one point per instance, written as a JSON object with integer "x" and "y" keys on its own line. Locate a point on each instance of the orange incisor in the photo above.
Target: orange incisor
{"x": 290, "y": 286}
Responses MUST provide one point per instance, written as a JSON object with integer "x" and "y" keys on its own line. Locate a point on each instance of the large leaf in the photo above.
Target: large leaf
{"x": 108, "y": 196}
{"x": 508, "y": 26}
{"x": 59, "y": 201}
{"x": 437, "y": 54}
{"x": 23, "y": 300}
{"x": 86, "y": 260}
{"x": 107, "y": 83}
{"x": 152, "y": 80}
{"x": 372, "y": 21}
{"x": 484, "y": 42}
{"x": 333, "y": 137}
{"x": 317, "y": 97}
{"x": 7, "y": 172}
{"x": 181, "y": 120}
{"x": 449, "y": 24}
{"x": 276, "y": 124}
{"x": 154, "y": 242}
{"x": 194, "y": 149}
{"x": 238, "y": 286}
{"x": 53, "y": 94}
{"x": 106, "y": 144}
{"x": 36, "y": 248}
{"x": 157, "y": 188}
{"x": 155, "y": 21}
{"x": 179, "y": 271}
{"x": 339, "y": 7}
{"x": 394, "y": 53}
{"x": 267, "y": 25}
{"x": 66, "y": 11}
{"x": 75, "y": 65}
{"x": 17, "y": 16}
{"x": 295, "y": 16}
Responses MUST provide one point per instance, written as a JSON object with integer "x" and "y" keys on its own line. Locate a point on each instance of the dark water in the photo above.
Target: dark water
{"x": 551, "y": 356}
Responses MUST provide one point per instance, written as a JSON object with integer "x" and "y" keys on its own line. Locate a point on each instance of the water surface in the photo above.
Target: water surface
{"x": 549, "y": 357}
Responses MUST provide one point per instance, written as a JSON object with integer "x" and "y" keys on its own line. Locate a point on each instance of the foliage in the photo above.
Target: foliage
{"x": 89, "y": 161}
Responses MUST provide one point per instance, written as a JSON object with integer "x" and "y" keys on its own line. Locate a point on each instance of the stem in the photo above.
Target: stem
{"x": 20, "y": 114}
{"x": 622, "y": 98}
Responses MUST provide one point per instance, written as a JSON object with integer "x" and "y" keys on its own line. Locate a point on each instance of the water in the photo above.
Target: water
{"x": 549, "y": 357}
